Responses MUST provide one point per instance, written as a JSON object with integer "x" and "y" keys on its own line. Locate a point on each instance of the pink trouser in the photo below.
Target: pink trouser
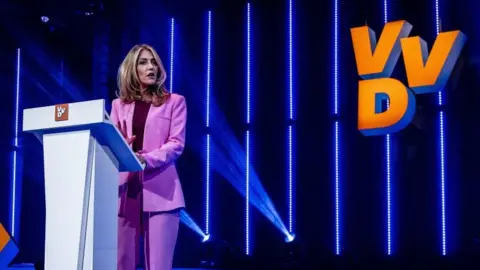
{"x": 160, "y": 230}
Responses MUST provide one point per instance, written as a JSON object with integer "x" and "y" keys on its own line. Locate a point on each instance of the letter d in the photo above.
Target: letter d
{"x": 371, "y": 121}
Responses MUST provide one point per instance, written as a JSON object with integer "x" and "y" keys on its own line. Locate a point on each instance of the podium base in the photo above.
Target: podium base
{"x": 81, "y": 182}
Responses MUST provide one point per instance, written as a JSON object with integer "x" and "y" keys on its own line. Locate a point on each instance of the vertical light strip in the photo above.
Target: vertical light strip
{"x": 437, "y": 28}
{"x": 291, "y": 117}
{"x": 385, "y": 11}
{"x": 247, "y": 142}
{"x": 172, "y": 43}
{"x": 207, "y": 123}
{"x": 13, "y": 213}
{"x": 336, "y": 126}
{"x": 335, "y": 57}
{"x": 388, "y": 146}
{"x": 442, "y": 148}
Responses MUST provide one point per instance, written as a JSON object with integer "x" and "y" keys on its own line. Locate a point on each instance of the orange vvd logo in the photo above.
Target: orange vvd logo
{"x": 376, "y": 61}
{"x": 61, "y": 112}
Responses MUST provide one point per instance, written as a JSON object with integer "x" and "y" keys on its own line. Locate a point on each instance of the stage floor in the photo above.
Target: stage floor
{"x": 440, "y": 264}
{"x": 31, "y": 267}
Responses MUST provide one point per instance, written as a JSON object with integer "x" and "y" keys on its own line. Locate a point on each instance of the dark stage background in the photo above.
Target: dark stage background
{"x": 75, "y": 57}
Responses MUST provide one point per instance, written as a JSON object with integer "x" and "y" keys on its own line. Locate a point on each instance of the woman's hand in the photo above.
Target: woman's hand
{"x": 140, "y": 157}
{"x": 123, "y": 130}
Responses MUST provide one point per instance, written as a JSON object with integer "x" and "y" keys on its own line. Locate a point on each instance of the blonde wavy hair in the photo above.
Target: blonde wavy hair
{"x": 128, "y": 82}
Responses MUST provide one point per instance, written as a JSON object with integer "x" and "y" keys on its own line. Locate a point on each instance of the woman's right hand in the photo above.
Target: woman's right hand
{"x": 123, "y": 130}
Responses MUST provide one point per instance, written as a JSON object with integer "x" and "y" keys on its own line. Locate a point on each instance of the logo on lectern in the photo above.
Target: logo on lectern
{"x": 61, "y": 112}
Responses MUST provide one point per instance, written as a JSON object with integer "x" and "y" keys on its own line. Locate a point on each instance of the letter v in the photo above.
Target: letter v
{"x": 430, "y": 73}
{"x": 378, "y": 60}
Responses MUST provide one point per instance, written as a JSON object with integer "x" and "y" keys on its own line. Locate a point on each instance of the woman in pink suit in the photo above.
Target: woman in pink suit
{"x": 153, "y": 121}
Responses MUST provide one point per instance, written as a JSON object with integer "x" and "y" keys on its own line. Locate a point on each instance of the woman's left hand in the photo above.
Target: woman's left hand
{"x": 140, "y": 157}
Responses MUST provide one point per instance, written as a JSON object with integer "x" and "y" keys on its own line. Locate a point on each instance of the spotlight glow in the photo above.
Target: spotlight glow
{"x": 190, "y": 223}
{"x": 388, "y": 145}
{"x": 206, "y": 238}
{"x": 172, "y": 42}
{"x": 442, "y": 149}
{"x": 207, "y": 123}
{"x": 13, "y": 201}
{"x": 336, "y": 126}
{"x": 289, "y": 238}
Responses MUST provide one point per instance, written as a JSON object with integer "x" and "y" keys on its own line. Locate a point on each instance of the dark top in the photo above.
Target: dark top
{"x": 138, "y": 123}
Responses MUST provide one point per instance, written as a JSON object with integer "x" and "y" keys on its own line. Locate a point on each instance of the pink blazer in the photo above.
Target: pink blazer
{"x": 163, "y": 143}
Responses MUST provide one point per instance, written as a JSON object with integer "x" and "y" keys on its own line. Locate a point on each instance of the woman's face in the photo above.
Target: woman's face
{"x": 147, "y": 68}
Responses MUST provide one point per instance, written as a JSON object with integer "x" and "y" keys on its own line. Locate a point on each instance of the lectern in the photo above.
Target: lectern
{"x": 83, "y": 153}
